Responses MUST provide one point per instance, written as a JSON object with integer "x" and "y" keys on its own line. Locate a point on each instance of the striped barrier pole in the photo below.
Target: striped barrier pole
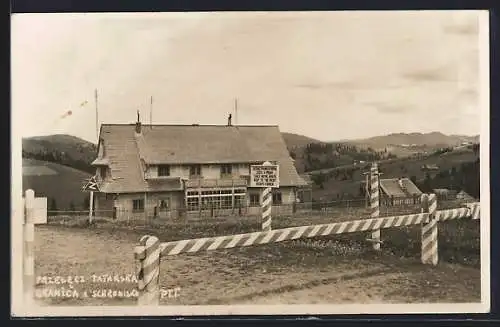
{"x": 267, "y": 206}
{"x": 147, "y": 255}
{"x": 374, "y": 204}
{"x": 28, "y": 245}
{"x": 429, "y": 253}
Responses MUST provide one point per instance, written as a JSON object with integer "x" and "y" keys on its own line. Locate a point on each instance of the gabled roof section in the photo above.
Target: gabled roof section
{"x": 191, "y": 144}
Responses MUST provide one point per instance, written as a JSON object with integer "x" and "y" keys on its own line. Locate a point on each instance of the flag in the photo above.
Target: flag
{"x": 91, "y": 185}
{"x": 70, "y": 112}
{"x": 67, "y": 113}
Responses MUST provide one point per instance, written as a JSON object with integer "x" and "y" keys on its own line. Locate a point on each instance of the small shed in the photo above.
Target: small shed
{"x": 398, "y": 191}
{"x": 462, "y": 195}
{"x": 445, "y": 194}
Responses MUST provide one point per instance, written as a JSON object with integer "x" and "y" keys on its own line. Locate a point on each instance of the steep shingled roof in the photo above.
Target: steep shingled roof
{"x": 190, "y": 144}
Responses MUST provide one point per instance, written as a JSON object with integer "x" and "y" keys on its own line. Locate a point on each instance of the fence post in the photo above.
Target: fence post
{"x": 28, "y": 244}
{"x": 375, "y": 203}
{"x": 91, "y": 206}
{"x": 429, "y": 253}
{"x": 147, "y": 256}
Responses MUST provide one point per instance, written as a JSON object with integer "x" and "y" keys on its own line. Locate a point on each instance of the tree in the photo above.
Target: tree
{"x": 86, "y": 203}
{"x": 362, "y": 190}
{"x": 53, "y": 205}
{"x": 427, "y": 187}
{"x": 72, "y": 206}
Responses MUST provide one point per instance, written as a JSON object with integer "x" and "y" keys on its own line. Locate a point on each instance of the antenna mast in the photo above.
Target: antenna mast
{"x": 151, "y": 113}
{"x": 236, "y": 111}
{"x": 96, "y": 117}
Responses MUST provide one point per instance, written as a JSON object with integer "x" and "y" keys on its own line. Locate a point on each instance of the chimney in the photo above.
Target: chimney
{"x": 400, "y": 182}
{"x": 229, "y": 120}
{"x": 138, "y": 124}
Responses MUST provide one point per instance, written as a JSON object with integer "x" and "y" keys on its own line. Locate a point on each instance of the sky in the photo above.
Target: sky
{"x": 326, "y": 75}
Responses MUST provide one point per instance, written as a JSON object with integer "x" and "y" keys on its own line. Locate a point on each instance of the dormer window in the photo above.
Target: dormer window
{"x": 195, "y": 171}
{"x": 226, "y": 170}
{"x": 163, "y": 170}
{"x": 103, "y": 172}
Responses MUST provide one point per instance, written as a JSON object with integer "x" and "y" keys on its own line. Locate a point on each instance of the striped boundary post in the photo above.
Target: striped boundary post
{"x": 429, "y": 253}
{"x": 28, "y": 246}
{"x": 374, "y": 204}
{"x": 267, "y": 206}
{"x": 147, "y": 255}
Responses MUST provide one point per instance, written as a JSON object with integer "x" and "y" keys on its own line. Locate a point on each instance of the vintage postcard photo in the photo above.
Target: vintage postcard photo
{"x": 214, "y": 163}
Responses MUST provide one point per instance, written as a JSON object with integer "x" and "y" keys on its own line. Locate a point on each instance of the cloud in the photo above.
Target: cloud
{"x": 462, "y": 29}
{"x": 439, "y": 74}
{"x": 390, "y": 108}
{"x": 361, "y": 84}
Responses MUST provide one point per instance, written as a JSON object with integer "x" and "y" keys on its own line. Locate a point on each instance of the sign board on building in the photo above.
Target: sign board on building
{"x": 264, "y": 176}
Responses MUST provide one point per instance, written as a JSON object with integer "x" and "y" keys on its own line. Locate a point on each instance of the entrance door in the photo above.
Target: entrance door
{"x": 165, "y": 209}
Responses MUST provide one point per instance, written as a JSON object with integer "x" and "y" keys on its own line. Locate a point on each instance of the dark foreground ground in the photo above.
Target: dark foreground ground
{"x": 339, "y": 269}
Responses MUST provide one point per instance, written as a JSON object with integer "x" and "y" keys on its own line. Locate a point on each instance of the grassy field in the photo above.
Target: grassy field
{"x": 62, "y": 183}
{"x": 394, "y": 168}
{"x": 335, "y": 269}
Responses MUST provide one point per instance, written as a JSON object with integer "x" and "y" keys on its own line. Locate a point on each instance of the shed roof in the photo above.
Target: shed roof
{"x": 391, "y": 187}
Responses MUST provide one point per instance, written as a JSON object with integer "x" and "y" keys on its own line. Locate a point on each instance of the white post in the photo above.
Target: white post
{"x": 429, "y": 234}
{"x": 91, "y": 206}
{"x": 147, "y": 255}
{"x": 29, "y": 240}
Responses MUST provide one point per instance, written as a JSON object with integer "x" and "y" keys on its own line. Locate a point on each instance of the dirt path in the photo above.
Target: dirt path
{"x": 268, "y": 274}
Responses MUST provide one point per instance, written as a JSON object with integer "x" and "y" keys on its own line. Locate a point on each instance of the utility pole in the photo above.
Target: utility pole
{"x": 235, "y": 111}
{"x": 96, "y": 117}
{"x": 151, "y": 113}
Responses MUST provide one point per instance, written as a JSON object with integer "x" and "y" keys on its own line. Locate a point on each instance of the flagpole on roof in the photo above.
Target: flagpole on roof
{"x": 151, "y": 113}
{"x": 96, "y": 117}
{"x": 236, "y": 111}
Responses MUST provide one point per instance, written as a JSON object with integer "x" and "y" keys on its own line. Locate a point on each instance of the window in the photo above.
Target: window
{"x": 226, "y": 170}
{"x": 239, "y": 201}
{"x": 227, "y": 202}
{"x": 254, "y": 200}
{"x": 103, "y": 172}
{"x": 206, "y": 203}
{"x": 277, "y": 197}
{"x": 138, "y": 205}
{"x": 193, "y": 204}
{"x": 163, "y": 170}
{"x": 164, "y": 204}
{"x": 195, "y": 170}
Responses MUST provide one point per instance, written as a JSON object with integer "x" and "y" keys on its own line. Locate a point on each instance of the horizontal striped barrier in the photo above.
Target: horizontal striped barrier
{"x": 149, "y": 251}
{"x": 471, "y": 210}
{"x": 285, "y": 234}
